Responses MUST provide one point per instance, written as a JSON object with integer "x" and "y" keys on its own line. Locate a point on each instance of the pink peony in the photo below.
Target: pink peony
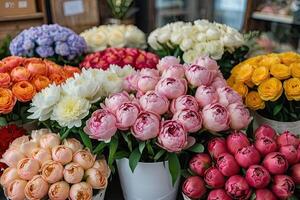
{"x": 171, "y": 88}
{"x": 146, "y": 126}
{"x": 52, "y": 171}
{"x": 84, "y": 158}
{"x": 126, "y": 115}
{"x": 115, "y": 100}
{"x": 264, "y": 194}
{"x": 28, "y": 168}
{"x": 49, "y": 140}
{"x": 149, "y": 72}
{"x": 42, "y": 155}
{"x": 101, "y": 125}
{"x": 130, "y": 82}
{"x": 166, "y": 62}
{"x": 174, "y": 71}
{"x": 217, "y": 146}
{"x": 199, "y": 75}
{"x": 73, "y": 144}
{"x": 227, "y": 165}
{"x": 59, "y": 191}
{"x": 215, "y": 117}
{"x": 247, "y": 156}
{"x": 265, "y": 130}
{"x": 218, "y": 194}
{"x": 62, "y": 154}
{"x": 219, "y": 82}
{"x": 146, "y": 83}
{"x": 15, "y": 189}
{"x": 237, "y": 187}
{"x": 36, "y": 188}
{"x": 295, "y": 173}
{"x": 214, "y": 178}
{"x": 290, "y": 153}
{"x": 258, "y": 177}
{"x": 154, "y": 102}
{"x": 199, "y": 163}
{"x": 275, "y": 163}
{"x": 73, "y": 173}
{"x": 207, "y": 62}
{"x": 194, "y": 187}
{"x": 206, "y": 95}
{"x": 239, "y": 116}
{"x": 265, "y": 145}
{"x": 11, "y": 157}
{"x": 283, "y": 186}
{"x": 172, "y": 136}
{"x": 190, "y": 119}
{"x": 228, "y": 96}
{"x": 287, "y": 138}
{"x": 236, "y": 141}
{"x": 184, "y": 102}
{"x": 81, "y": 190}
{"x": 8, "y": 176}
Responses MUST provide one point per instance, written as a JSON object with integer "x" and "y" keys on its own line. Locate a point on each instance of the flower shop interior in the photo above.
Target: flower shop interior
{"x": 150, "y": 99}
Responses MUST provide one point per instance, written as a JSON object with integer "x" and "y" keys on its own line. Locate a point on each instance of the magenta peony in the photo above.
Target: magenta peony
{"x": 264, "y": 194}
{"x": 214, "y": 178}
{"x": 194, "y": 187}
{"x": 227, "y": 165}
{"x": 247, "y": 156}
{"x": 200, "y": 163}
{"x": 236, "y": 141}
{"x": 218, "y": 194}
{"x": 257, "y": 176}
{"x": 265, "y": 130}
{"x": 283, "y": 186}
{"x": 216, "y": 147}
{"x": 265, "y": 145}
{"x": 237, "y": 187}
{"x": 290, "y": 153}
{"x": 288, "y": 138}
{"x": 275, "y": 163}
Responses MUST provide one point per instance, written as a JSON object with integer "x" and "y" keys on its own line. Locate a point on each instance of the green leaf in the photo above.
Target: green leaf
{"x": 86, "y": 140}
{"x": 142, "y": 147}
{"x": 277, "y": 109}
{"x": 121, "y": 154}
{"x": 197, "y": 148}
{"x": 253, "y": 196}
{"x": 128, "y": 141}
{"x": 159, "y": 154}
{"x": 65, "y": 134}
{"x": 149, "y": 148}
{"x": 3, "y": 121}
{"x": 100, "y": 147}
{"x": 113, "y": 145}
{"x": 293, "y": 198}
{"x": 134, "y": 158}
{"x": 174, "y": 167}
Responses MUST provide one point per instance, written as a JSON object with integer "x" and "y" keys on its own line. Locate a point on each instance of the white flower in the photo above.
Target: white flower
{"x": 164, "y": 35}
{"x": 121, "y": 72}
{"x": 189, "y": 56}
{"x": 112, "y": 83}
{"x": 70, "y": 110}
{"x": 135, "y": 37}
{"x": 186, "y": 44}
{"x": 43, "y": 103}
{"x": 152, "y": 40}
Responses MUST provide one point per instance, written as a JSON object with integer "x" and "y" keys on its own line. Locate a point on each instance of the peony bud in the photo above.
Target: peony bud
{"x": 59, "y": 191}
{"x": 295, "y": 173}
{"x": 81, "y": 190}
{"x": 73, "y": 144}
{"x": 258, "y": 177}
{"x": 166, "y": 62}
{"x": 154, "y": 102}
{"x": 194, "y": 187}
{"x": 42, "y": 155}
{"x": 174, "y": 71}
{"x": 16, "y": 189}
{"x": 62, "y": 154}
{"x": 218, "y": 194}
{"x": 8, "y": 176}
{"x": 216, "y": 147}
{"x": 126, "y": 115}
{"x": 199, "y": 163}
{"x": 265, "y": 130}
{"x": 36, "y": 188}
{"x": 84, "y": 158}
{"x": 283, "y": 186}
{"x": 237, "y": 187}
{"x": 28, "y": 168}
{"x": 184, "y": 102}
{"x": 288, "y": 138}
{"x": 247, "y": 156}
{"x": 227, "y": 165}
{"x": 239, "y": 116}
{"x": 73, "y": 173}
{"x": 199, "y": 75}
{"x": 50, "y": 140}
{"x": 171, "y": 88}
{"x": 96, "y": 179}
{"x": 228, "y": 96}
{"x": 102, "y": 166}
{"x": 265, "y": 145}
{"x": 11, "y": 157}
{"x": 275, "y": 163}
{"x": 215, "y": 117}
{"x": 214, "y": 178}
{"x": 52, "y": 171}
{"x": 236, "y": 141}
{"x": 290, "y": 153}
{"x": 190, "y": 119}
{"x": 147, "y": 83}
{"x": 115, "y": 100}
{"x": 264, "y": 194}
{"x": 206, "y": 95}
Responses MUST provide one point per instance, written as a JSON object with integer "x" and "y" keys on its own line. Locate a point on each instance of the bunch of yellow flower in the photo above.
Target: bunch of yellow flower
{"x": 264, "y": 78}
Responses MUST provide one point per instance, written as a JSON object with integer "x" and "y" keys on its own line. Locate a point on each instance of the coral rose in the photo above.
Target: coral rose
{"x": 24, "y": 91}
{"x": 270, "y": 90}
{"x": 7, "y": 101}
{"x": 5, "y": 80}
{"x": 40, "y": 82}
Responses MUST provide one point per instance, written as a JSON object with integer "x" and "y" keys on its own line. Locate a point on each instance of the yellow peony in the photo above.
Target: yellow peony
{"x": 260, "y": 74}
{"x": 292, "y": 89}
{"x": 253, "y": 101}
{"x": 280, "y": 71}
{"x": 295, "y": 70}
{"x": 244, "y": 73}
{"x": 270, "y": 90}
{"x": 269, "y": 60}
{"x": 240, "y": 88}
{"x": 289, "y": 57}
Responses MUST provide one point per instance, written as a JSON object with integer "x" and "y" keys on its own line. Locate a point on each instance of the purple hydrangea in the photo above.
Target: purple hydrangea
{"x": 48, "y": 40}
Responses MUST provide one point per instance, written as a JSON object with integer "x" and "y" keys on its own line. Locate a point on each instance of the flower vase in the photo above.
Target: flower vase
{"x": 278, "y": 126}
{"x": 149, "y": 181}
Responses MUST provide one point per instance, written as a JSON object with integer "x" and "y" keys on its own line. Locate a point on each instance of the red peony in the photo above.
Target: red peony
{"x": 120, "y": 56}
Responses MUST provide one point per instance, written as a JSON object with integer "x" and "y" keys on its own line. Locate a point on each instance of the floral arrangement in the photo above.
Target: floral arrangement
{"x": 49, "y": 41}
{"x": 270, "y": 84}
{"x": 119, "y": 8}
{"x": 235, "y": 168}
{"x": 136, "y": 58}
{"x": 200, "y": 38}
{"x": 21, "y": 78}
{"x": 44, "y": 166}
{"x": 118, "y": 36}
{"x": 169, "y": 108}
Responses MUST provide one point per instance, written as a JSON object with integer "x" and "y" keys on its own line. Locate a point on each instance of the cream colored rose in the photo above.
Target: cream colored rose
{"x": 116, "y": 38}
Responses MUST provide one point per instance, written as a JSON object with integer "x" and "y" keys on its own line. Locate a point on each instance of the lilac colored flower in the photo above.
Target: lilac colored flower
{"x": 48, "y": 40}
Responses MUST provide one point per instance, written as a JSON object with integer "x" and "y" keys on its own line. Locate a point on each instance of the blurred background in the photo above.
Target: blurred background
{"x": 276, "y": 20}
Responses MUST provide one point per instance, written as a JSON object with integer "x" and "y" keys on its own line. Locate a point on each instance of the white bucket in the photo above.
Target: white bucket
{"x": 150, "y": 181}
{"x": 279, "y": 127}
{"x": 185, "y": 197}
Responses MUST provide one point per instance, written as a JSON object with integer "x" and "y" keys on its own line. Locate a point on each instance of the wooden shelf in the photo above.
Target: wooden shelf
{"x": 273, "y": 18}
{"x": 38, "y": 15}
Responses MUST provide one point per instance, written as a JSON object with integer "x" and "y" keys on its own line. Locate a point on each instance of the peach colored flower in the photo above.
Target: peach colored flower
{"x": 11, "y": 157}
{"x": 95, "y": 178}
{"x": 36, "y": 188}
{"x": 7, "y": 101}
{"x": 73, "y": 173}
{"x": 84, "y": 158}
{"x": 42, "y": 155}
{"x": 37, "y": 67}
{"x": 53, "y": 68}
{"x": 62, "y": 154}
{"x": 57, "y": 78}
{"x": 73, "y": 144}
{"x": 28, "y": 168}
{"x": 59, "y": 191}
{"x": 8, "y": 176}
{"x": 20, "y": 74}
{"x": 24, "y": 91}
{"x": 102, "y": 166}
{"x": 15, "y": 189}
{"x": 82, "y": 191}
{"x": 70, "y": 70}
{"x": 52, "y": 171}
{"x": 40, "y": 82}
{"x": 5, "y": 80}
{"x": 50, "y": 140}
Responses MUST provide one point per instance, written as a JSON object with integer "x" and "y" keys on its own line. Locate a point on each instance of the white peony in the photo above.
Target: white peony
{"x": 70, "y": 110}
{"x": 189, "y": 56}
{"x": 121, "y": 72}
{"x": 112, "y": 83}
{"x": 186, "y": 44}
{"x": 43, "y": 103}
{"x": 135, "y": 37}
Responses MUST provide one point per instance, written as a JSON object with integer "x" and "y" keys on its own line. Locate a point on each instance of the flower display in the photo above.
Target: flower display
{"x": 69, "y": 103}
{"x": 136, "y": 58}
{"x": 48, "y": 41}
{"x": 60, "y": 177}
{"x": 118, "y": 36}
{"x": 268, "y": 175}
{"x": 269, "y": 84}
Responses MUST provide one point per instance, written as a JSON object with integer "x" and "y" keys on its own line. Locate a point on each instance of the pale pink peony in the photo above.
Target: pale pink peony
{"x": 166, "y": 62}
{"x": 49, "y": 140}
{"x": 59, "y": 191}
{"x": 239, "y": 116}
{"x": 84, "y": 158}
{"x": 171, "y": 88}
{"x": 154, "y": 102}
{"x": 149, "y": 72}
{"x": 11, "y": 157}
{"x": 146, "y": 83}
{"x": 174, "y": 71}
{"x": 215, "y": 117}
{"x": 52, "y": 171}
{"x": 81, "y": 190}
{"x": 172, "y": 136}
{"x": 101, "y": 126}
{"x": 228, "y": 96}
{"x": 207, "y": 62}
{"x": 62, "y": 154}
{"x": 73, "y": 173}
{"x": 15, "y": 189}
{"x": 199, "y": 75}
{"x": 115, "y": 100}
{"x": 184, "y": 102}
{"x": 126, "y": 115}
{"x": 130, "y": 82}
{"x": 28, "y": 168}
{"x": 206, "y": 95}
{"x": 146, "y": 126}
{"x": 36, "y": 188}
{"x": 190, "y": 119}
{"x": 73, "y": 144}
{"x": 42, "y": 155}
{"x": 9, "y": 174}
{"x": 219, "y": 82}
{"x": 96, "y": 178}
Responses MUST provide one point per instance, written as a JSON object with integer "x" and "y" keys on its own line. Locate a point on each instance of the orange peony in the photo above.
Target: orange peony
{"x": 20, "y": 74}
{"x": 40, "y": 82}
{"x": 24, "y": 91}
{"x": 57, "y": 78}
{"x": 4, "y": 80}
{"x": 37, "y": 67}
{"x": 7, "y": 101}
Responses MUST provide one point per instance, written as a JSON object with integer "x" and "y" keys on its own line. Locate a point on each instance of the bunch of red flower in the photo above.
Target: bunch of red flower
{"x": 267, "y": 169}
{"x": 137, "y": 58}
{"x": 8, "y": 134}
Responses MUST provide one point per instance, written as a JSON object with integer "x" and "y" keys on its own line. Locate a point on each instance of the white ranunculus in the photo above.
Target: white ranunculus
{"x": 43, "y": 103}
{"x": 98, "y": 40}
{"x": 176, "y": 37}
{"x": 70, "y": 111}
{"x": 186, "y": 44}
{"x": 152, "y": 40}
{"x": 215, "y": 49}
{"x": 164, "y": 35}
{"x": 189, "y": 56}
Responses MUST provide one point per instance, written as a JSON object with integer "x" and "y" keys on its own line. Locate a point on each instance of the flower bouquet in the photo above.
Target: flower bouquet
{"x": 118, "y": 36}
{"x": 270, "y": 85}
{"x": 44, "y": 166}
{"x": 234, "y": 168}
{"x": 136, "y": 58}
{"x": 21, "y": 78}
{"x": 54, "y": 42}
{"x": 200, "y": 38}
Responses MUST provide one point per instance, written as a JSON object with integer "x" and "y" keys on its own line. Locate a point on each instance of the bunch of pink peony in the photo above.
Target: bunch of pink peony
{"x": 267, "y": 169}
{"x": 44, "y": 166}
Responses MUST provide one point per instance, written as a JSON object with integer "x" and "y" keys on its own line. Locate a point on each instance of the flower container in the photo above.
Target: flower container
{"x": 185, "y": 197}
{"x": 149, "y": 181}
{"x": 278, "y": 126}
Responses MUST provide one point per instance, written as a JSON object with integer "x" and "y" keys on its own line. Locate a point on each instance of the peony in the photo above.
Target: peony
{"x": 96, "y": 178}
{"x": 258, "y": 177}
{"x": 199, "y": 75}
{"x": 73, "y": 173}
{"x": 294, "y": 172}
{"x": 73, "y": 144}
{"x": 290, "y": 153}
{"x": 288, "y": 138}
{"x": 115, "y": 100}
{"x": 206, "y": 95}
{"x": 62, "y": 154}
{"x": 42, "y": 155}
{"x": 216, "y": 147}
{"x": 84, "y": 158}
{"x": 166, "y": 62}
{"x": 237, "y": 187}
{"x": 200, "y": 163}
{"x": 283, "y": 186}
{"x": 190, "y": 119}
{"x": 247, "y": 156}
{"x": 236, "y": 141}
{"x": 275, "y": 163}
{"x": 263, "y": 194}
{"x": 215, "y": 117}
{"x": 11, "y": 157}
{"x": 101, "y": 125}
{"x": 239, "y": 116}
{"x": 101, "y": 164}
{"x": 174, "y": 71}
{"x": 218, "y": 194}
{"x": 194, "y": 187}
{"x": 49, "y": 140}
{"x": 81, "y": 190}
{"x": 10, "y": 174}
{"x": 265, "y": 145}
{"x": 207, "y": 62}
{"x": 130, "y": 82}
{"x": 214, "y": 178}
{"x": 227, "y": 165}
{"x": 36, "y": 188}
{"x": 146, "y": 126}
{"x": 52, "y": 171}
{"x": 172, "y": 88}
{"x": 59, "y": 191}
{"x": 228, "y": 96}
{"x": 172, "y": 136}
{"x": 15, "y": 189}
{"x": 27, "y": 168}
{"x": 154, "y": 102}
{"x": 126, "y": 114}
{"x": 146, "y": 83}
{"x": 184, "y": 102}
{"x": 265, "y": 130}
